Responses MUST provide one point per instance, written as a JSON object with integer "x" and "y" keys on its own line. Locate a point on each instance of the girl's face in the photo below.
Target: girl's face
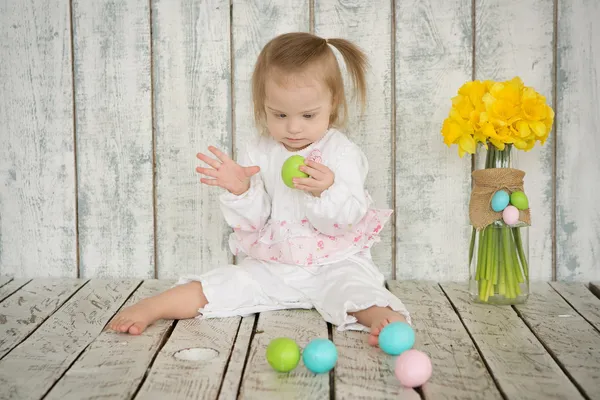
{"x": 298, "y": 109}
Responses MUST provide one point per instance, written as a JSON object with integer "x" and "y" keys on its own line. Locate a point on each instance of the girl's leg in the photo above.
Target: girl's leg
{"x": 351, "y": 295}
{"x": 253, "y": 286}
{"x": 180, "y": 302}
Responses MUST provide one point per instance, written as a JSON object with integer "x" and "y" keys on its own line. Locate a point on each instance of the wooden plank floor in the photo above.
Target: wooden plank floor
{"x": 53, "y": 345}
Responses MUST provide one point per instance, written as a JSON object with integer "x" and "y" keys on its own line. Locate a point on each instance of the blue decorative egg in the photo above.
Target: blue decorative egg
{"x": 320, "y": 355}
{"x": 500, "y": 200}
{"x": 396, "y": 338}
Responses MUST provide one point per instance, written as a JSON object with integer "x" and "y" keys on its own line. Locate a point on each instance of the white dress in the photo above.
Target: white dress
{"x": 301, "y": 251}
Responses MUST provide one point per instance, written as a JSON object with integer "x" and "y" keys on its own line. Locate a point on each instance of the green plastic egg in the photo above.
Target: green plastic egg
{"x": 519, "y": 200}
{"x": 283, "y": 354}
{"x": 290, "y": 170}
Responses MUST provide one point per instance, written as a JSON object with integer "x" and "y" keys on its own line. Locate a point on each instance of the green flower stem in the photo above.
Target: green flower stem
{"x": 480, "y": 254}
{"x": 497, "y": 262}
{"x": 473, "y": 233}
{"x": 493, "y": 258}
{"x": 508, "y": 265}
{"x": 513, "y": 251}
{"x": 517, "y": 235}
{"x": 502, "y": 273}
{"x": 489, "y": 255}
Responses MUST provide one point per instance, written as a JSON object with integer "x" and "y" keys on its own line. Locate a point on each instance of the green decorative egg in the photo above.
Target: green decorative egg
{"x": 519, "y": 200}
{"x": 290, "y": 170}
{"x": 283, "y": 354}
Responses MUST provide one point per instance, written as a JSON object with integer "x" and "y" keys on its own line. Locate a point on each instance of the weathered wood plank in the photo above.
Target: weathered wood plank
{"x": 578, "y": 80}
{"x": 198, "y": 374}
{"x": 569, "y": 337}
{"x": 260, "y": 381}
{"x": 5, "y": 279}
{"x": 365, "y": 372}
{"x": 113, "y": 366}
{"x": 22, "y": 313}
{"x": 192, "y": 98}
{"x": 237, "y": 362}
{"x": 373, "y": 130}
{"x": 254, "y": 23}
{"x": 459, "y": 371}
{"x": 515, "y": 38}
{"x": 519, "y": 363}
{"x": 595, "y": 288}
{"x": 31, "y": 369}
{"x": 37, "y": 172}
{"x": 581, "y": 299}
{"x": 114, "y": 137}
{"x": 433, "y": 59}
{"x": 12, "y": 287}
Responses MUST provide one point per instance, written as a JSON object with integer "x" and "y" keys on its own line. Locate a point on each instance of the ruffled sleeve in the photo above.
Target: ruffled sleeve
{"x": 250, "y": 210}
{"x": 346, "y": 202}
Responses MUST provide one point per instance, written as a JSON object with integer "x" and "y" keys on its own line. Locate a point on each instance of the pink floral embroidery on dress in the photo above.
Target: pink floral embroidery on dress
{"x": 315, "y": 155}
{"x": 358, "y": 236}
{"x": 309, "y": 259}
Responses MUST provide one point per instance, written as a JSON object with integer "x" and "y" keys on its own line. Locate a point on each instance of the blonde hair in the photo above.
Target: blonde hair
{"x": 295, "y": 52}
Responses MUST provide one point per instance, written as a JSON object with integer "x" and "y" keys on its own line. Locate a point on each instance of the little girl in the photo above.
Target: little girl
{"x": 301, "y": 247}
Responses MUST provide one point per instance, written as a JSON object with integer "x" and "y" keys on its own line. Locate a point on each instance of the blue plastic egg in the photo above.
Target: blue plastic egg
{"x": 320, "y": 355}
{"x": 396, "y": 338}
{"x": 500, "y": 200}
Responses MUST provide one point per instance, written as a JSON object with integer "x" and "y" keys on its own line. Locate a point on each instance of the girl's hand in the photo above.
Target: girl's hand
{"x": 225, "y": 172}
{"x": 321, "y": 178}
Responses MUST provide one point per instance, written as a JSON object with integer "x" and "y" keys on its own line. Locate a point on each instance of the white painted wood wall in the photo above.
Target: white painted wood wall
{"x": 104, "y": 105}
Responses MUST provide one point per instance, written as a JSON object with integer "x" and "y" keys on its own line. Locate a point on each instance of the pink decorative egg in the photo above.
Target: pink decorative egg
{"x": 510, "y": 215}
{"x": 413, "y": 368}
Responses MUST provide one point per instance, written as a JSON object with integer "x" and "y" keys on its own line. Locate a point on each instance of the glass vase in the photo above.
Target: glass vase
{"x": 499, "y": 253}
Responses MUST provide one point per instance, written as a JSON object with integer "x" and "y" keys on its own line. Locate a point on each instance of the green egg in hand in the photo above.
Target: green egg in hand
{"x": 290, "y": 170}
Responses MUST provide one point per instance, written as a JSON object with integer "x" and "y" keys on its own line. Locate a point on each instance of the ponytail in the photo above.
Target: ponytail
{"x": 356, "y": 64}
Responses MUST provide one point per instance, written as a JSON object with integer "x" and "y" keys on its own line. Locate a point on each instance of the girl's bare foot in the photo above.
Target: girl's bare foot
{"x": 134, "y": 319}
{"x": 180, "y": 302}
{"x": 379, "y": 324}
{"x": 377, "y": 318}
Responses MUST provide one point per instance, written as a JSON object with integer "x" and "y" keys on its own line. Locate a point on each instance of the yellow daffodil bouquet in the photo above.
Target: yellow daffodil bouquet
{"x": 498, "y": 117}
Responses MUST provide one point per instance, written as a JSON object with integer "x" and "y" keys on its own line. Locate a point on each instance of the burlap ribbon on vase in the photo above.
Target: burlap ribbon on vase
{"x": 486, "y": 182}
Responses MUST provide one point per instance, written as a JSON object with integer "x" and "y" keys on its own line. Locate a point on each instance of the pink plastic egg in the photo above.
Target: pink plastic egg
{"x": 413, "y": 368}
{"x": 510, "y": 215}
